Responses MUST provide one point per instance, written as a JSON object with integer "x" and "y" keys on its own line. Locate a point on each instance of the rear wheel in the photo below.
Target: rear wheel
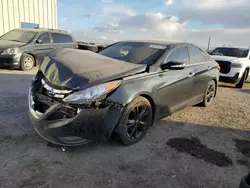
{"x": 27, "y": 62}
{"x": 210, "y": 94}
{"x": 243, "y": 79}
{"x": 135, "y": 121}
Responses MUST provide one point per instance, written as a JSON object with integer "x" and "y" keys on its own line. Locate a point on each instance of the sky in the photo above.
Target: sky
{"x": 108, "y": 21}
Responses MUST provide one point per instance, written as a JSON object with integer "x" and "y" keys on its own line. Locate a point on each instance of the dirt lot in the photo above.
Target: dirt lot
{"x": 196, "y": 147}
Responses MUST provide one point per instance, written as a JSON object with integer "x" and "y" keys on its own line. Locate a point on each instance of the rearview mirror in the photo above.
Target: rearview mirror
{"x": 39, "y": 41}
{"x": 173, "y": 65}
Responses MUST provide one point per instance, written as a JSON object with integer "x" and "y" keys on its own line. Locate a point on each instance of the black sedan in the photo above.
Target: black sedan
{"x": 80, "y": 96}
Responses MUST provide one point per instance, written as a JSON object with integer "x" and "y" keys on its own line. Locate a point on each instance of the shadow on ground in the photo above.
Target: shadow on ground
{"x": 226, "y": 85}
{"x": 247, "y": 91}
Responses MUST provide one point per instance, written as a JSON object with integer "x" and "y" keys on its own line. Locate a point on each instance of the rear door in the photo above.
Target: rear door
{"x": 43, "y": 47}
{"x": 61, "y": 40}
{"x": 177, "y": 86}
{"x": 201, "y": 69}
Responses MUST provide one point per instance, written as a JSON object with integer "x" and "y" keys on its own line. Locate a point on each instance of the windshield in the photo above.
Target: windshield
{"x": 232, "y": 52}
{"x": 19, "y": 36}
{"x": 135, "y": 52}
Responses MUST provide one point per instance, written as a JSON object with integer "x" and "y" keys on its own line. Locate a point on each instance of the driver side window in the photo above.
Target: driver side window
{"x": 179, "y": 55}
{"x": 45, "y": 38}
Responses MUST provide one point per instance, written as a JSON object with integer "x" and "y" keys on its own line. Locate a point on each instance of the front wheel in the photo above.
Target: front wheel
{"x": 135, "y": 121}
{"x": 27, "y": 62}
{"x": 210, "y": 93}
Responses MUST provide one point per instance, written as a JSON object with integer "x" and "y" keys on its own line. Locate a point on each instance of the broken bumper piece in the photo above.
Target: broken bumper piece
{"x": 65, "y": 125}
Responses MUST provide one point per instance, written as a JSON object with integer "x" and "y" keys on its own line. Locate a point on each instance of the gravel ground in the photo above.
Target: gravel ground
{"x": 195, "y": 147}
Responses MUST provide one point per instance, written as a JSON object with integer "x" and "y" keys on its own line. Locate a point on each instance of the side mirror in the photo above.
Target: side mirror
{"x": 173, "y": 65}
{"x": 39, "y": 41}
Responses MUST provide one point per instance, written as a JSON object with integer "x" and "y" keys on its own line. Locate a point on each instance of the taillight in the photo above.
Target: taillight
{"x": 218, "y": 67}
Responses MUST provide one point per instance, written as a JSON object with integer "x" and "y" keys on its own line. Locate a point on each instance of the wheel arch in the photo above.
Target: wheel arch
{"x": 33, "y": 55}
{"x": 152, "y": 103}
{"x": 247, "y": 69}
{"x": 142, "y": 94}
{"x": 216, "y": 89}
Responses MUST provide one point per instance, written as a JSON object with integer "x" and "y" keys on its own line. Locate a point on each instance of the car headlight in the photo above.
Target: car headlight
{"x": 10, "y": 51}
{"x": 237, "y": 65}
{"x": 92, "y": 93}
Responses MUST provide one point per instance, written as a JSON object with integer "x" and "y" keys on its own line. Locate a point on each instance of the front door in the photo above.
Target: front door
{"x": 42, "y": 46}
{"x": 177, "y": 86}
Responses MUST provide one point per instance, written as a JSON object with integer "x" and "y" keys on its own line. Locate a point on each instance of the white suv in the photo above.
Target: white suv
{"x": 234, "y": 63}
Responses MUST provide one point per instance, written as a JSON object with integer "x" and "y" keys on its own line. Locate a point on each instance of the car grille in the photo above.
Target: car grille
{"x": 225, "y": 66}
{"x": 45, "y": 96}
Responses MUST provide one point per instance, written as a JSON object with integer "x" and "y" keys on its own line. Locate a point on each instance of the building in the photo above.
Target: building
{"x": 27, "y": 14}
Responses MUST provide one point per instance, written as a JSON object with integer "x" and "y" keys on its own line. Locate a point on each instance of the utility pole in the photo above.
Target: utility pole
{"x": 208, "y": 46}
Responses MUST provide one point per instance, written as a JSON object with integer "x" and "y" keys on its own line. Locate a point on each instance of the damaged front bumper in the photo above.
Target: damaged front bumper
{"x": 65, "y": 125}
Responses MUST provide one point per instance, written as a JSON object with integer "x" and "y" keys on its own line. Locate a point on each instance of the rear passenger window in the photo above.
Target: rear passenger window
{"x": 196, "y": 55}
{"x": 61, "y": 38}
{"x": 179, "y": 54}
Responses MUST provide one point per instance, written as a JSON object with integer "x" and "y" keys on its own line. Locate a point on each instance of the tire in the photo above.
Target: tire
{"x": 27, "y": 62}
{"x": 209, "y": 94}
{"x": 131, "y": 129}
{"x": 242, "y": 80}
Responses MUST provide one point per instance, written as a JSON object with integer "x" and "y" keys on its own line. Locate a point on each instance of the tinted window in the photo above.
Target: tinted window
{"x": 232, "y": 52}
{"x": 61, "y": 38}
{"x": 196, "y": 55}
{"x": 44, "y": 37}
{"x": 19, "y": 35}
{"x": 180, "y": 54}
{"x": 135, "y": 52}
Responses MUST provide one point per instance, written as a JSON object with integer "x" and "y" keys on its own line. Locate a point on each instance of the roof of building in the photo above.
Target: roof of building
{"x": 42, "y": 30}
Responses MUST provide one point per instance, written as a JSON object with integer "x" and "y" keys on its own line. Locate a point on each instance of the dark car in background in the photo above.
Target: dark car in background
{"x": 81, "y": 96}
{"x": 26, "y": 48}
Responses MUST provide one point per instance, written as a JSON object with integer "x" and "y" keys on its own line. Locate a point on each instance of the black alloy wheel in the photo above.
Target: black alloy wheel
{"x": 135, "y": 121}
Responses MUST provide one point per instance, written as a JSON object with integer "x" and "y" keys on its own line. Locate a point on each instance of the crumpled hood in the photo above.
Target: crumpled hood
{"x": 72, "y": 68}
{"x": 4, "y": 44}
{"x": 226, "y": 58}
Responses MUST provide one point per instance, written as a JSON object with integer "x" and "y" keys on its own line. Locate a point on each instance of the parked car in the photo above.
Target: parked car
{"x": 79, "y": 96}
{"x": 26, "y": 48}
{"x": 234, "y": 63}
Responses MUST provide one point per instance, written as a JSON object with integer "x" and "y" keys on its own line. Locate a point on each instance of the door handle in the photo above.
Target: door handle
{"x": 191, "y": 74}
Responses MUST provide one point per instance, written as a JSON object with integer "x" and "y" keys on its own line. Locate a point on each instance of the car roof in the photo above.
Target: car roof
{"x": 43, "y": 30}
{"x": 160, "y": 42}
